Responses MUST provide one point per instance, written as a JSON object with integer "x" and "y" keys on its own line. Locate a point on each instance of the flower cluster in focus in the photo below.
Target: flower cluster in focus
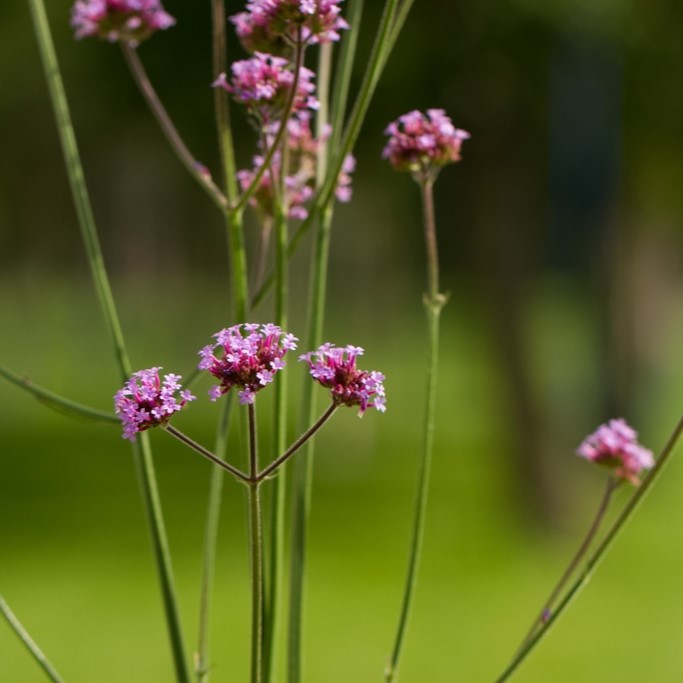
{"x": 275, "y": 26}
{"x": 335, "y": 368}
{"x": 303, "y": 150}
{"x": 146, "y": 401}
{"x": 262, "y": 84}
{"x": 250, "y": 355}
{"x": 423, "y": 143}
{"x": 615, "y": 445}
{"x": 129, "y": 21}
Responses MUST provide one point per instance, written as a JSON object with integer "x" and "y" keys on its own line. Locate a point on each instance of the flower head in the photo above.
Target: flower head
{"x": 262, "y": 83}
{"x": 250, "y": 355}
{"x": 615, "y": 445}
{"x": 303, "y": 151}
{"x": 423, "y": 144}
{"x": 146, "y": 401}
{"x": 129, "y": 21}
{"x": 275, "y": 26}
{"x": 335, "y": 368}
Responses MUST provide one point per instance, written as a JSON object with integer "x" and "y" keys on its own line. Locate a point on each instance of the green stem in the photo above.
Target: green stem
{"x": 140, "y": 77}
{"x": 238, "y": 263}
{"x": 59, "y": 403}
{"x": 221, "y": 100}
{"x": 279, "y": 487}
{"x": 303, "y": 467}
{"x": 433, "y": 302}
{"x": 342, "y": 81}
{"x": 598, "y": 554}
{"x": 30, "y": 644}
{"x": 580, "y": 553}
{"x": 205, "y": 452}
{"x": 397, "y": 26}
{"x": 256, "y": 554}
{"x": 203, "y": 662}
{"x": 142, "y": 452}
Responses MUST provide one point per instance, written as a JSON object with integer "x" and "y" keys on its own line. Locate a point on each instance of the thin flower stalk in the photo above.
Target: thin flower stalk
{"x": 196, "y": 169}
{"x": 580, "y": 553}
{"x": 30, "y": 644}
{"x": 598, "y": 554}
{"x": 206, "y": 453}
{"x": 142, "y": 452}
{"x": 434, "y": 302}
{"x": 256, "y": 553}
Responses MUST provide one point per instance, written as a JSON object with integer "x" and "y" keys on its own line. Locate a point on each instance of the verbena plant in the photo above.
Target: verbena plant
{"x": 304, "y": 137}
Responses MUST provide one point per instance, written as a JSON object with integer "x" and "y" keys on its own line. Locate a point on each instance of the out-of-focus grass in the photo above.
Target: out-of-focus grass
{"x": 76, "y": 567}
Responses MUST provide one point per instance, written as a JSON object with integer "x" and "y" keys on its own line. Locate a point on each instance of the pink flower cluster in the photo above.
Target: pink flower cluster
{"x": 130, "y": 21}
{"x": 263, "y": 82}
{"x": 423, "y": 144}
{"x": 250, "y": 355}
{"x": 276, "y": 25}
{"x": 303, "y": 150}
{"x": 335, "y": 368}
{"x": 615, "y": 445}
{"x": 145, "y": 401}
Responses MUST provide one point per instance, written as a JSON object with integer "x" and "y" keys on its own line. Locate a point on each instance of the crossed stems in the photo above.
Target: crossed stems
{"x": 255, "y": 476}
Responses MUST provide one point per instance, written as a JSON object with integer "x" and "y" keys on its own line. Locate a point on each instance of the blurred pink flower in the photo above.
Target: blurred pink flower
{"x": 129, "y": 21}
{"x": 275, "y": 26}
{"x": 423, "y": 144}
{"x": 615, "y": 445}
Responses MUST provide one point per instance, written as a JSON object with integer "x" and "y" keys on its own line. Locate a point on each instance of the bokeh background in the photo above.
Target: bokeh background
{"x": 561, "y": 245}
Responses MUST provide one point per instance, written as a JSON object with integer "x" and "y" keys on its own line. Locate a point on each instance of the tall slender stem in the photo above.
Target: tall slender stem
{"x": 546, "y": 610}
{"x": 256, "y": 554}
{"x": 194, "y": 168}
{"x": 433, "y": 303}
{"x": 303, "y": 468}
{"x": 142, "y": 452}
{"x": 30, "y": 644}
{"x": 598, "y": 554}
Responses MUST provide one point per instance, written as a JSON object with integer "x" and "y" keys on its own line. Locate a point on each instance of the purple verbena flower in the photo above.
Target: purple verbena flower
{"x": 129, "y": 21}
{"x": 303, "y": 152}
{"x": 249, "y": 356}
{"x": 423, "y": 144}
{"x": 146, "y": 401}
{"x": 615, "y": 445}
{"x": 276, "y": 26}
{"x": 262, "y": 84}
{"x": 335, "y": 368}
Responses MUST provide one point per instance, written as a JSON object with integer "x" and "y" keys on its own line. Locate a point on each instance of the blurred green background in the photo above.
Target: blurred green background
{"x": 561, "y": 241}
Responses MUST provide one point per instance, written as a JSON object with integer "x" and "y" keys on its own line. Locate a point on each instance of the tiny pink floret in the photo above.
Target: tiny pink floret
{"x": 615, "y": 445}
{"x": 335, "y": 368}
{"x": 247, "y": 357}
{"x": 146, "y": 401}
